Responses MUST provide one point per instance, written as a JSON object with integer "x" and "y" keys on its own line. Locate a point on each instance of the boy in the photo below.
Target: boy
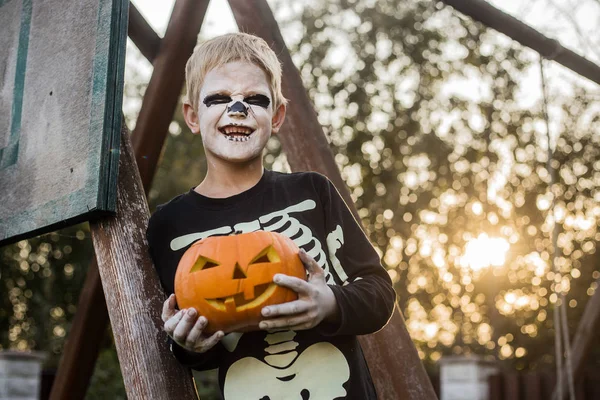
{"x": 306, "y": 349}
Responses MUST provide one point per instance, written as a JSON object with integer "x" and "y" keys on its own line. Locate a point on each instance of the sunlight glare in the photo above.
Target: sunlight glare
{"x": 484, "y": 251}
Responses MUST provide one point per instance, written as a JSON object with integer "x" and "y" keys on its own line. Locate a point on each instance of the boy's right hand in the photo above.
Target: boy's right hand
{"x": 185, "y": 327}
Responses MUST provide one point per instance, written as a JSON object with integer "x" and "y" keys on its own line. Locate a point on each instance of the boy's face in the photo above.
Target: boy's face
{"x": 235, "y": 115}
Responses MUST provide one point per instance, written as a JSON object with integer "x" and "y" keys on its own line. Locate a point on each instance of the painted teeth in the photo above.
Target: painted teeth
{"x": 237, "y": 129}
{"x": 237, "y": 138}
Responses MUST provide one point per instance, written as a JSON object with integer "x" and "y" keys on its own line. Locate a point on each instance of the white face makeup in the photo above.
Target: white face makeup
{"x": 235, "y": 112}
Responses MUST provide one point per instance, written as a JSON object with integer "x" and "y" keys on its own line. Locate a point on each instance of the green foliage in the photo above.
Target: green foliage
{"x": 107, "y": 381}
{"x": 439, "y": 172}
{"x": 41, "y": 281}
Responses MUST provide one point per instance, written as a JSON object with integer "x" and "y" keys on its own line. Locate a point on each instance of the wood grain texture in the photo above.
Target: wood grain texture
{"x": 133, "y": 293}
{"x": 393, "y": 360}
{"x": 78, "y": 369}
{"x": 165, "y": 85}
{"x": 64, "y": 62}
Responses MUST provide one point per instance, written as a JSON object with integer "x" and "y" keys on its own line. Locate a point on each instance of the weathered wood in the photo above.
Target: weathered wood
{"x": 393, "y": 360}
{"x": 75, "y": 371}
{"x": 484, "y": 12}
{"x": 142, "y": 34}
{"x": 62, "y": 82}
{"x": 165, "y": 85}
{"x": 587, "y": 333}
{"x": 83, "y": 343}
{"x": 133, "y": 293}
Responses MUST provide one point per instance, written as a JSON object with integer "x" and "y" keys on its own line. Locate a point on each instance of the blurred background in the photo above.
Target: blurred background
{"x": 437, "y": 124}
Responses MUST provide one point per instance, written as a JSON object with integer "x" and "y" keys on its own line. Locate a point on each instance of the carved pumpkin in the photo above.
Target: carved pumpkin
{"x": 229, "y": 279}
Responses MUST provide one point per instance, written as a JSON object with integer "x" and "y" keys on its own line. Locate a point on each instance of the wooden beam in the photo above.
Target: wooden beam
{"x": 393, "y": 360}
{"x": 83, "y": 343}
{"x": 91, "y": 320}
{"x": 142, "y": 34}
{"x": 133, "y": 293}
{"x": 587, "y": 333}
{"x": 551, "y": 49}
{"x": 165, "y": 85}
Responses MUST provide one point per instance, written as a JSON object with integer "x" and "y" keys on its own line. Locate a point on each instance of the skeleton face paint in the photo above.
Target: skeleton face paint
{"x": 235, "y": 115}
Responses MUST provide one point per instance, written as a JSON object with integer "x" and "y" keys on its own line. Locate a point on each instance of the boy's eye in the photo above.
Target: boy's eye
{"x": 214, "y": 99}
{"x": 258, "y": 100}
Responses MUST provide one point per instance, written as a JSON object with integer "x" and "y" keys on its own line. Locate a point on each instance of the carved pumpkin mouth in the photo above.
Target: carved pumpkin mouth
{"x": 239, "y": 303}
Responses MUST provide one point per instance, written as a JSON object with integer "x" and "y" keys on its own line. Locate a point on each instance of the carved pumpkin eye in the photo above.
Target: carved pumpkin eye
{"x": 268, "y": 255}
{"x": 203, "y": 263}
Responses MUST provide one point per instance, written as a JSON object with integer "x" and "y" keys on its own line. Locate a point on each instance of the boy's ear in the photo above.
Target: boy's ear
{"x": 191, "y": 118}
{"x": 278, "y": 118}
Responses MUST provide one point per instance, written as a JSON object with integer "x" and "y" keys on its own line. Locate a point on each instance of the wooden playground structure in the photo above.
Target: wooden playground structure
{"x": 122, "y": 284}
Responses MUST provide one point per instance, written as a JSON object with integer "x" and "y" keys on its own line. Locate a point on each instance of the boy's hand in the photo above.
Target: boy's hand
{"x": 315, "y": 303}
{"x": 185, "y": 327}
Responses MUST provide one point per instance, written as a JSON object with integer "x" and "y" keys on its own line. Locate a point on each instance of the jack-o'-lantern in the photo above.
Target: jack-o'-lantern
{"x": 229, "y": 279}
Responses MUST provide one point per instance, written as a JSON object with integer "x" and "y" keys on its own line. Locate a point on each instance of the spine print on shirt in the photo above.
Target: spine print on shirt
{"x": 283, "y": 222}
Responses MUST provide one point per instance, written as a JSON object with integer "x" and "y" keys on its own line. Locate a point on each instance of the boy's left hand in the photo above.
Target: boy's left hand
{"x": 315, "y": 303}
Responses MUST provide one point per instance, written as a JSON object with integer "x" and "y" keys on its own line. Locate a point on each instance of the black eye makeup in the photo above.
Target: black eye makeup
{"x": 215, "y": 99}
{"x": 258, "y": 100}
{"x": 254, "y": 100}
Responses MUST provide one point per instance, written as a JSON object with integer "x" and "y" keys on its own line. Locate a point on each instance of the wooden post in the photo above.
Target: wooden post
{"x": 511, "y": 386}
{"x": 587, "y": 333}
{"x": 142, "y": 34}
{"x": 395, "y": 366}
{"x": 83, "y": 343}
{"x": 133, "y": 293}
{"x": 165, "y": 85}
{"x": 91, "y": 320}
{"x": 551, "y": 49}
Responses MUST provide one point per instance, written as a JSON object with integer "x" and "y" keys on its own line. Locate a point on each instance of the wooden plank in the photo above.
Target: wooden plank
{"x": 57, "y": 162}
{"x": 142, "y": 34}
{"x": 74, "y": 369}
{"x": 83, "y": 343}
{"x": 133, "y": 293}
{"x": 495, "y": 387}
{"x": 551, "y": 49}
{"x": 393, "y": 360}
{"x": 533, "y": 386}
{"x": 585, "y": 335}
{"x": 511, "y": 386}
{"x": 165, "y": 85}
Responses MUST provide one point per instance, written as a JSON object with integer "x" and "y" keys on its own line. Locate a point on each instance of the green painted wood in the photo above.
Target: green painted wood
{"x": 60, "y": 112}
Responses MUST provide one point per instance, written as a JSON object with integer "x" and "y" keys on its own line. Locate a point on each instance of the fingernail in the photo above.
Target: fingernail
{"x": 202, "y": 320}
{"x": 302, "y": 251}
{"x": 277, "y": 278}
{"x": 266, "y": 311}
{"x": 191, "y": 312}
{"x": 263, "y": 325}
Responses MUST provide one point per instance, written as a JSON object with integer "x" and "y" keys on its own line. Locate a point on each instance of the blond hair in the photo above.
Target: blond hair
{"x": 228, "y": 48}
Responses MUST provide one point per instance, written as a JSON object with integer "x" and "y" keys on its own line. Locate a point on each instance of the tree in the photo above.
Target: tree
{"x": 439, "y": 173}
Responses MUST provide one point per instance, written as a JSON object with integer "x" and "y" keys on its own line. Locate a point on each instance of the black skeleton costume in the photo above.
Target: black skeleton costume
{"x": 323, "y": 363}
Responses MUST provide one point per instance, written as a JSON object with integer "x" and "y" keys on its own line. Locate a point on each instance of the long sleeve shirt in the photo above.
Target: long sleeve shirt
{"x": 325, "y": 362}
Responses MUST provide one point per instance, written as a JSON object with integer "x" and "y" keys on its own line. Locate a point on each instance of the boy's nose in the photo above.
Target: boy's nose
{"x": 238, "y": 108}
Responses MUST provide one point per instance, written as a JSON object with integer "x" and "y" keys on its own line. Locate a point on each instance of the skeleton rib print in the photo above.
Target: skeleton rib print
{"x": 283, "y": 222}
